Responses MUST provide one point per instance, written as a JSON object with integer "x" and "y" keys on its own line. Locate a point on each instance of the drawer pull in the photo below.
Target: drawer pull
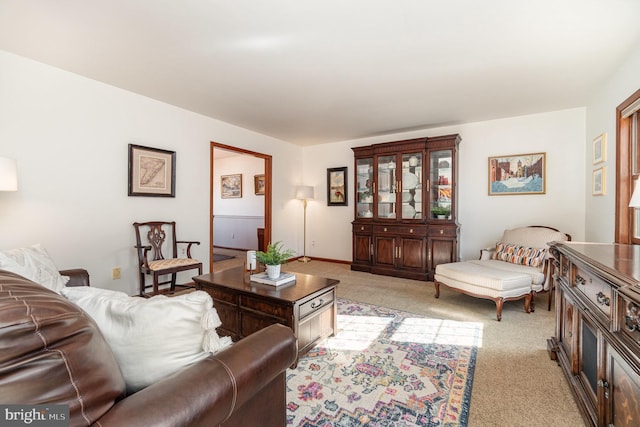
{"x": 317, "y": 304}
{"x": 580, "y": 280}
{"x": 603, "y": 299}
{"x": 632, "y": 317}
{"x": 441, "y": 231}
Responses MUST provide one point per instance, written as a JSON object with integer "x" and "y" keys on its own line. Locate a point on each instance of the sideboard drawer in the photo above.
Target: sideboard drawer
{"x": 316, "y": 304}
{"x": 595, "y": 288}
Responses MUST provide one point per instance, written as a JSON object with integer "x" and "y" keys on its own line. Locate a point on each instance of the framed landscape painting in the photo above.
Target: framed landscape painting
{"x": 231, "y": 186}
{"x": 258, "y": 184}
{"x": 517, "y": 174}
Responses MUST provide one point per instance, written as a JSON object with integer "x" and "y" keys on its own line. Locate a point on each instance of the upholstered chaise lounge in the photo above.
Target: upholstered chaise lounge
{"x": 516, "y": 268}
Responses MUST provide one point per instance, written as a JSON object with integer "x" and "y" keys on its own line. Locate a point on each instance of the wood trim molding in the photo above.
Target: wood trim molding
{"x": 624, "y": 175}
{"x": 268, "y": 203}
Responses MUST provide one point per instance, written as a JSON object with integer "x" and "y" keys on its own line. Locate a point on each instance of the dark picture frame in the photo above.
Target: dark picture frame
{"x": 337, "y": 186}
{"x": 231, "y": 186}
{"x": 258, "y": 184}
{"x": 517, "y": 174}
{"x": 152, "y": 172}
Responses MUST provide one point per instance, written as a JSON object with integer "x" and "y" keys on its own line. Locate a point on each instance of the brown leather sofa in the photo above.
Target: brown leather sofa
{"x": 51, "y": 352}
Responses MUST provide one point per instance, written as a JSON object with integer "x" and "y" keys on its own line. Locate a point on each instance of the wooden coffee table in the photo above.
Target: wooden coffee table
{"x": 307, "y": 306}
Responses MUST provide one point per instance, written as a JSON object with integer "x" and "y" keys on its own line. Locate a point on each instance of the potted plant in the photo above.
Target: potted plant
{"x": 274, "y": 257}
{"x": 441, "y": 212}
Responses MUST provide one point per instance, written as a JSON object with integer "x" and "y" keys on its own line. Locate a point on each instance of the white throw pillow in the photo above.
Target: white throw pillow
{"x": 35, "y": 264}
{"x": 155, "y": 337}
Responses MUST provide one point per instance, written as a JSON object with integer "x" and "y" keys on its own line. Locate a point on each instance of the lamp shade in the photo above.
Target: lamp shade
{"x": 8, "y": 174}
{"x": 635, "y": 197}
{"x": 304, "y": 192}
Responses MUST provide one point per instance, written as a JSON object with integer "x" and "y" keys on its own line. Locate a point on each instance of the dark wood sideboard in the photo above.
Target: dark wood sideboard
{"x": 597, "y": 332}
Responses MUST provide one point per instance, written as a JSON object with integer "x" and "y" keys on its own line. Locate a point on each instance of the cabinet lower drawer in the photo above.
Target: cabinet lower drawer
{"x": 443, "y": 231}
{"x": 594, "y": 288}
{"x": 405, "y": 230}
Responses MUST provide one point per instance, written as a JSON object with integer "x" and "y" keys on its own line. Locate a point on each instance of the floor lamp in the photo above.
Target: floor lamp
{"x": 304, "y": 193}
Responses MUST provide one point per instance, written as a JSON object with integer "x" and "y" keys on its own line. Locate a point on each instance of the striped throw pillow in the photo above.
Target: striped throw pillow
{"x": 517, "y": 254}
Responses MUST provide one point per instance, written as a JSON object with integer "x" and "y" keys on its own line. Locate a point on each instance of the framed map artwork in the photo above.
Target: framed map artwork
{"x": 152, "y": 172}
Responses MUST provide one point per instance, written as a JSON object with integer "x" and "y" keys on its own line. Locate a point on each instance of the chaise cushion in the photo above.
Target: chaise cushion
{"x": 536, "y": 274}
{"x": 482, "y": 279}
{"x": 51, "y": 352}
{"x": 152, "y": 338}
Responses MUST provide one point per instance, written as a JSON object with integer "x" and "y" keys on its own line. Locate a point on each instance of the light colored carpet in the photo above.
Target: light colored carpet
{"x": 515, "y": 382}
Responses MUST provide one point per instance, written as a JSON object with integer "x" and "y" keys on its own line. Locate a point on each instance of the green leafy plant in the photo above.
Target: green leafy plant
{"x": 276, "y": 254}
{"x": 440, "y": 211}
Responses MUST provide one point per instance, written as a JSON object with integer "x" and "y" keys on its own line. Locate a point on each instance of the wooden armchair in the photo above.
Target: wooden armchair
{"x": 151, "y": 260}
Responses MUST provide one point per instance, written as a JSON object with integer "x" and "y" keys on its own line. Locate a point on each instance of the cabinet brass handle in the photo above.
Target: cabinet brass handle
{"x": 603, "y": 299}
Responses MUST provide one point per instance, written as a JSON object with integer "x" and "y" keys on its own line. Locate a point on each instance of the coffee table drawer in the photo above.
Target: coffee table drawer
{"x": 267, "y": 307}
{"x": 315, "y": 304}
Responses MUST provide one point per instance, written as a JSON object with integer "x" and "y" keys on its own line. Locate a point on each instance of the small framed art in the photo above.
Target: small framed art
{"x": 599, "y": 182}
{"x": 600, "y": 148}
{"x": 152, "y": 172}
{"x": 337, "y": 186}
{"x": 231, "y": 186}
{"x": 258, "y": 184}
{"x": 517, "y": 174}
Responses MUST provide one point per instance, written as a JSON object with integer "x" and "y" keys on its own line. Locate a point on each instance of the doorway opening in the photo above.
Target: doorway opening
{"x": 263, "y": 234}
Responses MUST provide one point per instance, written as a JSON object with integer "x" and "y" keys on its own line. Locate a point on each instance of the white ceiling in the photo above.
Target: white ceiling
{"x": 309, "y": 71}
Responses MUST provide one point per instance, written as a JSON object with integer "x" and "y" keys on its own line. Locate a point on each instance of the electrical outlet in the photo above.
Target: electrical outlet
{"x": 313, "y": 243}
{"x": 115, "y": 273}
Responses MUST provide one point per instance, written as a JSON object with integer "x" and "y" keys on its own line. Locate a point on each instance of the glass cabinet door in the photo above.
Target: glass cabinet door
{"x": 387, "y": 183}
{"x": 441, "y": 184}
{"x": 364, "y": 188}
{"x": 411, "y": 195}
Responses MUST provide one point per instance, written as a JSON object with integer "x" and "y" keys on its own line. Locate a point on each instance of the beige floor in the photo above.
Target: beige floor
{"x": 515, "y": 382}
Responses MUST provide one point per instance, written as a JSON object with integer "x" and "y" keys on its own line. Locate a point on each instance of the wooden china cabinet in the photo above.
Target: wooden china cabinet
{"x": 406, "y": 206}
{"x": 597, "y": 336}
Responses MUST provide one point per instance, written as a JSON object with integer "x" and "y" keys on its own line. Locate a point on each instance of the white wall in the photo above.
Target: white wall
{"x": 559, "y": 134}
{"x": 601, "y": 117}
{"x": 69, "y": 136}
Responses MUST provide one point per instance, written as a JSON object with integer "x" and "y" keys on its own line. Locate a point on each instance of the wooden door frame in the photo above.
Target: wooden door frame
{"x": 267, "y": 191}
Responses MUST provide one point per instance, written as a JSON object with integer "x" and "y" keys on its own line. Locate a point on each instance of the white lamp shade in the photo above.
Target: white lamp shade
{"x": 635, "y": 197}
{"x": 8, "y": 174}
{"x": 304, "y": 192}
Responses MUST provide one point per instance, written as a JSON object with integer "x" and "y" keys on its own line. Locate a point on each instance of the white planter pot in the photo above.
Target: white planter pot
{"x": 273, "y": 271}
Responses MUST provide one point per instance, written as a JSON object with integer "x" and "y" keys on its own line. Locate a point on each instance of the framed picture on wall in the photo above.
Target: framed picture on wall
{"x": 599, "y": 183}
{"x": 517, "y": 174}
{"x": 152, "y": 172}
{"x": 258, "y": 184}
{"x": 337, "y": 186}
{"x": 600, "y": 148}
{"x": 231, "y": 186}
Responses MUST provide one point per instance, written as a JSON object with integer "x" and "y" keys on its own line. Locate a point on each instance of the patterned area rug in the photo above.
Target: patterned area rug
{"x": 385, "y": 368}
